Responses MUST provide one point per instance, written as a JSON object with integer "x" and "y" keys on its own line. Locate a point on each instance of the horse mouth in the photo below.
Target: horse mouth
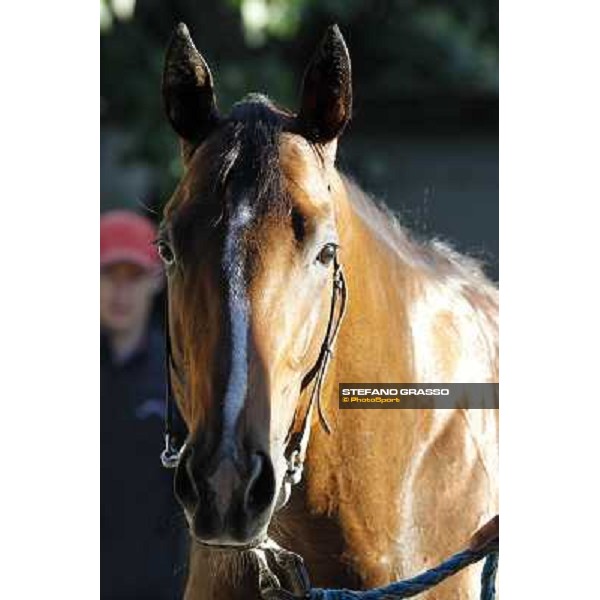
{"x": 227, "y": 539}
{"x": 232, "y": 546}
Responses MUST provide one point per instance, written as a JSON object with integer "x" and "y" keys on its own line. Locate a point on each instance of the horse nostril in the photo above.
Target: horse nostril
{"x": 261, "y": 487}
{"x": 185, "y": 490}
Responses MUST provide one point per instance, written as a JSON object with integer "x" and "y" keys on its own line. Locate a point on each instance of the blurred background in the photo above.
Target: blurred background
{"x": 424, "y": 135}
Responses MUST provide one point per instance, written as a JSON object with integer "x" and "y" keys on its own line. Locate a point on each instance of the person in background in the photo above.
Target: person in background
{"x": 140, "y": 524}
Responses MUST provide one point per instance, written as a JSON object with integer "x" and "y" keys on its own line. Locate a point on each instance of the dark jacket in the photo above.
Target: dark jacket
{"x": 141, "y": 525}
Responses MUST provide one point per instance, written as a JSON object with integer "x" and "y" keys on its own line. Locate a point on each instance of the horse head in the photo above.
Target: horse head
{"x": 250, "y": 243}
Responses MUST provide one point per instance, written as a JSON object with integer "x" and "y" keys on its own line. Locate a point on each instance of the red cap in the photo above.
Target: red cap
{"x": 127, "y": 237}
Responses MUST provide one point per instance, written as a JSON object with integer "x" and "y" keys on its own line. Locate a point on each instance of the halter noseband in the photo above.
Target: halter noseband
{"x": 296, "y": 442}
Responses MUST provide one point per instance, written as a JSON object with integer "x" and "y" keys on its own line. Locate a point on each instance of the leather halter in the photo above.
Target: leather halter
{"x": 296, "y": 441}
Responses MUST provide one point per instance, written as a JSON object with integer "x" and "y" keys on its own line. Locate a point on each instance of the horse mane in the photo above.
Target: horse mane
{"x": 434, "y": 256}
{"x": 437, "y": 267}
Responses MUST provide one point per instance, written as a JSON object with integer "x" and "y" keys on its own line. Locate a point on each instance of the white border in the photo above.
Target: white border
{"x": 549, "y": 279}
{"x": 49, "y": 530}
{"x": 549, "y": 136}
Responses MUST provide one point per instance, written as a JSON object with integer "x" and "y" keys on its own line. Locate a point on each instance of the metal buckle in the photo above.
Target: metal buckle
{"x": 290, "y": 566}
{"x": 294, "y": 469}
{"x": 169, "y": 457}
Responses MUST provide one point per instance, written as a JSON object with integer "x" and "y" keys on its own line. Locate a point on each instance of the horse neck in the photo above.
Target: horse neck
{"x": 417, "y": 312}
{"x": 389, "y": 280}
{"x": 375, "y": 339}
{"x": 360, "y": 479}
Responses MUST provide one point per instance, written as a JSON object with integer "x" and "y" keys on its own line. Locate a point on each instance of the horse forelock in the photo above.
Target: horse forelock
{"x": 247, "y": 156}
{"x": 239, "y": 162}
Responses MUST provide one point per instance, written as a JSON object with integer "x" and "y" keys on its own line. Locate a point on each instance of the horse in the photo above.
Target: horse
{"x": 259, "y": 236}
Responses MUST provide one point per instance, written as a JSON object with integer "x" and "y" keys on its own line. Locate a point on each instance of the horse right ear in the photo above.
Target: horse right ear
{"x": 187, "y": 89}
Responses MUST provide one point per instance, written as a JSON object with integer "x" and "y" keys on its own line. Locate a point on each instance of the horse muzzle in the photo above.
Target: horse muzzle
{"x": 228, "y": 500}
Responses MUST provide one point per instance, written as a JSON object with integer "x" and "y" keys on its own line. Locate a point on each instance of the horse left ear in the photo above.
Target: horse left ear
{"x": 187, "y": 88}
{"x": 327, "y": 90}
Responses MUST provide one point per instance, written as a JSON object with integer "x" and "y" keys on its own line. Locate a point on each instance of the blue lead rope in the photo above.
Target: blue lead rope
{"x": 421, "y": 583}
{"x": 488, "y": 577}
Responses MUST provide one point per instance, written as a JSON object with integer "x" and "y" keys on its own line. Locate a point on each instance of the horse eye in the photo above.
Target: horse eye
{"x": 327, "y": 254}
{"x": 166, "y": 253}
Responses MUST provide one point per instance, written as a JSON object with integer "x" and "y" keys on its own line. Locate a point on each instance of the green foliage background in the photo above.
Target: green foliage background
{"x": 399, "y": 49}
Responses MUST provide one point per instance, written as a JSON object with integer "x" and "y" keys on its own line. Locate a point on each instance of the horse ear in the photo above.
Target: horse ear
{"x": 327, "y": 90}
{"x": 187, "y": 89}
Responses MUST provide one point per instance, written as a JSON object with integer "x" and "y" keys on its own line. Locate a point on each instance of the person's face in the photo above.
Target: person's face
{"x": 126, "y": 293}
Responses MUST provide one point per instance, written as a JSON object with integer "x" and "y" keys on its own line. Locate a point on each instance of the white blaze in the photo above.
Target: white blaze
{"x": 233, "y": 263}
